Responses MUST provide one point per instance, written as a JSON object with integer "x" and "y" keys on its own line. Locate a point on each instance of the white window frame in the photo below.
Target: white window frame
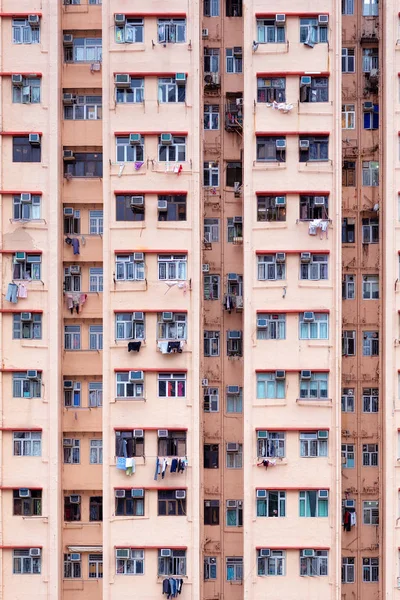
{"x": 123, "y": 385}
{"x": 273, "y": 446}
{"x": 370, "y": 287}
{"x": 24, "y": 446}
{"x": 26, "y": 388}
{"x": 171, "y": 31}
{"x": 317, "y": 330}
{"x": 348, "y": 569}
{"x": 131, "y": 566}
{"x": 272, "y": 566}
{"x": 370, "y": 8}
{"x": 212, "y": 343}
{"x": 211, "y": 60}
{"x": 27, "y": 93}
{"x": 348, "y": 400}
{"x": 349, "y": 346}
{"x": 211, "y": 8}
{"x": 211, "y": 399}
{"x": 347, "y": 7}
{"x": 316, "y": 566}
{"x": 370, "y": 346}
{"x": 172, "y": 330}
{"x": 268, "y": 269}
{"x": 370, "y": 454}
{"x": 72, "y": 454}
{"x": 174, "y": 565}
{"x": 175, "y": 379}
{"x": 234, "y": 563}
{"x": 96, "y": 279}
{"x": 126, "y": 269}
{"x": 170, "y": 91}
{"x": 23, "y": 564}
{"x": 84, "y": 50}
{"x": 311, "y": 446}
{"x": 86, "y": 108}
{"x": 316, "y": 269}
{"x": 132, "y": 32}
{"x": 211, "y": 117}
{"x": 270, "y": 32}
{"x": 211, "y": 287}
{"x": 96, "y": 452}
{"x": 234, "y": 402}
{"x": 370, "y": 173}
{"x": 234, "y": 460}
{"x": 210, "y": 175}
{"x": 370, "y": 231}
{"x": 128, "y": 329}
{"x": 96, "y": 337}
{"x": 172, "y": 267}
{"x": 315, "y": 388}
{"x": 95, "y": 564}
{"x": 349, "y": 287}
{"x": 27, "y": 211}
{"x": 211, "y": 230}
{"x": 276, "y": 329}
{"x": 95, "y": 394}
{"x": 348, "y": 60}
{"x": 348, "y": 116}
{"x": 268, "y": 387}
{"x": 96, "y": 222}
{"x": 234, "y": 64}
{"x": 72, "y": 337}
{"x": 370, "y": 568}
{"x": 370, "y": 512}
{"x": 348, "y": 453}
{"x": 72, "y": 568}
{"x": 370, "y": 399}
{"x": 129, "y": 153}
{"x": 23, "y": 33}
{"x": 174, "y": 152}
{"x": 21, "y": 271}
{"x": 132, "y": 95}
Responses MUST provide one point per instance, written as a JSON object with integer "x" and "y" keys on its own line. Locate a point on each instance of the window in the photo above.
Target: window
{"x": 72, "y": 224}
{"x": 176, "y": 208}
{"x": 27, "y": 507}
{"x": 347, "y": 9}
{"x": 318, "y": 329}
{"x": 71, "y": 451}
{"x": 26, "y": 388}
{"x": 96, "y": 452}
{"x": 210, "y": 174}
{"x": 271, "y": 89}
{"x": 211, "y": 456}
{"x": 211, "y": 512}
{"x": 234, "y": 568}
{"x": 311, "y": 32}
{"x": 349, "y": 287}
{"x": 211, "y": 399}
{"x": 234, "y": 174}
{"x": 127, "y": 444}
{"x": 132, "y": 32}
{"x": 315, "y": 388}
{"x": 172, "y": 565}
{"x": 95, "y": 390}
{"x": 85, "y": 164}
{"x": 24, "y": 151}
{"x": 314, "y": 269}
{"x": 272, "y": 504}
{"x": 371, "y": 512}
{"x": 370, "y": 455}
{"x": 348, "y": 400}
{"x": 268, "y": 210}
{"x": 171, "y": 91}
{"x": 85, "y": 108}
{"x": 311, "y": 208}
{"x": 370, "y": 400}
{"x": 348, "y": 231}
{"x": 129, "y": 506}
{"x": 314, "y": 566}
{"x": 72, "y": 508}
{"x": 173, "y": 445}
{"x": 210, "y": 568}
{"x": 211, "y": 287}
{"x": 268, "y": 31}
{"x": 234, "y": 60}
{"x": 234, "y": 458}
{"x": 271, "y": 444}
{"x": 235, "y": 230}
{"x": 234, "y": 343}
{"x": 211, "y": 117}
{"x": 211, "y": 343}
{"x": 370, "y": 231}
{"x": 30, "y": 329}
{"x": 23, "y": 564}
{"x": 274, "y": 564}
{"x": 169, "y": 505}
{"x": 23, "y": 33}
{"x": 318, "y": 148}
{"x": 348, "y": 60}
{"x": 269, "y": 268}
{"x": 233, "y": 8}
{"x": 96, "y": 222}
{"x": 271, "y": 148}
{"x": 134, "y": 94}
{"x": 129, "y": 269}
{"x": 72, "y": 397}
{"x": 172, "y": 267}
{"x": 271, "y": 327}
{"x": 370, "y": 287}
{"x": 96, "y": 279}
{"x": 72, "y": 337}
{"x": 268, "y": 386}
{"x": 127, "y": 328}
{"x": 234, "y": 400}
{"x": 211, "y": 230}
{"x": 127, "y": 388}
{"x": 83, "y": 50}
{"x": 27, "y": 443}
{"x": 211, "y": 60}
{"x": 131, "y": 566}
{"x": 172, "y": 330}
{"x": 95, "y": 566}
{"x": 370, "y": 570}
{"x": 349, "y": 173}
{"x": 171, "y": 385}
{"x": 370, "y": 8}
{"x": 171, "y": 31}
{"x": 313, "y": 444}
{"x": 127, "y": 152}
{"x": 211, "y": 8}
{"x": 28, "y": 92}
{"x": 174, "y": 152}
{"x": 126, "y": 211}
{"x": 370, "y": 173}
{"x": 316, "y": 91}
{"x": 370, "y": 343}
{"x": 72, "y": 568}
{"x": 348, "y": 456}
{"x": 348, "y": 116}
{"x": 371, "y": 117}
{"x": 27, "y": 211}
{"x": 234, "y": 513}
{"x": 348, "y": 569}
{"x": 311, "y": 504}
{"x": 96, "y": 508}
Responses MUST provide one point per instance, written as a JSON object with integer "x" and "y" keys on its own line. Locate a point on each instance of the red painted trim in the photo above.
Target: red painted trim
{"x": 151, "y": 310}
{"x": 7, "y": 488}
{"x": 9, "y": 73}
{"x": 13, "y": 192}
{"x": 293, "y": 429}
{"x": 149, "y": 74}
{"x": 19, "y": 133}
{"x": 31, "y": 251}
{"x": 21, "y": 429}
{"x": 150, "y": 251}
{"x": 294, "y": 74}
{"x": 149, "y": 429}
{"x": 145, "y": 192}
{"x": 291, "y": 488}
{"x": 151, "y": 132}
{"x": 293, "y": 193}
{"x": 295, "y": 371}
{"x": 144, "y": 547}
{"x": 18, "y": 370}
{"x": 157, "y": 488}
{"x": 293, "y": 252}
{"x": 17, "y": 15}
{"x": 19, "y": 547}
{"x": 299, "y": 133}
{"x": 292, "y": 311}
{"x": 152, "y": 370}
{"x": 17, "y": 311}
{"x": 291, "y": 14}
{"x": 283, "y": 547}
{"x": 162, "y": 15}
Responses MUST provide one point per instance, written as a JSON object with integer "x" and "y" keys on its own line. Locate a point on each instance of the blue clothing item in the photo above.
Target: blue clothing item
{"x": 174, "y": 465}
{"x": 12, "y": 291}
{"x": 157, "y": 467}
{"x": 173, "y": 587}
{"x": 75, "y": 245}
{"x": 121, "y": 463}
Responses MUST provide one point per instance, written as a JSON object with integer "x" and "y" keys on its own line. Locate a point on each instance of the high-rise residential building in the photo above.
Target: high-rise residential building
{"x": 199, "y": 315}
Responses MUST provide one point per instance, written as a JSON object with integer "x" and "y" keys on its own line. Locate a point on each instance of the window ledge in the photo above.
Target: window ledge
{"x": 317, "y": 402}
{"x": 129, "y": 47}
{"x": 279, "y": 461}
{"x": 327, "y": 286}
{"x": 276, "y": 224}
{"x": 128, "y": 224}
{"x": 125, "y": 399}
{"x": 268, "y": 165}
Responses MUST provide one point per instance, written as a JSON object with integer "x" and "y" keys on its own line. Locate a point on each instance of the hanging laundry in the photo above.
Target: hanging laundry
{"x": 75, "y": 245}
{"x": 83, "y": 240}
{"x": 174, "y": 347}
{"x": 138, "y": 166}
{"x": 284, "y": 107}
{"x": 174, "y": 465}
{"x": 157, "y": 468}
{"x": 134, "y": 346}
{"x": 12, "y": 293}
{"x": 22, "y": 291}
{"x": 164, "y": 468}
{"x": 163, "y": 347}
{"x": 121, "y": 463}
{"x": 130, "y": 466}
{"x": 353, "y": 519}
{"x": 267, "y": 463}
{"x": 68, "y": 241}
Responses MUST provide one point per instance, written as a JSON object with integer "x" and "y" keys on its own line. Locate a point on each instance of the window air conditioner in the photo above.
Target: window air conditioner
{"x": 31, "y": 374}
{"x": 349, "y": 503}
{"x": 308, "y": 317}
{"x": 68, "y": 155}
{"x": 167, "y": 316}
{"x": 323, "y": 19}
{"x": 136, "y": 376}
{"x": 24, "y": 493}
{"x": 122, "y": 553}
{"x": 323, "y": 434}
{"x": 68, "y": 39}
{"x": 204, "y": 33}
{"x": 26, "y": 197}
{"x": 234, "y": 334}
{"x": 68, "y": 211}
{"x": 262, "y": 323}
{"x": 135, "y": 139}
{"x": 138, "y": 256}
{"x": 19, "y": 257}
{"x": 33, "y": 20}
{"x": 204, "y": 382}
{"x": 323, "y": 494}
{"x": 119, "y": 19}
{"x": 68, "y": 442}
{"x": 138, "y": 433}
{"x": 261, "y": 493}
{"x": 166, "y": 139}
{"x": 162, "y": 433}
{"x": 34, "y": 139}
{"x": 304, "y": 144}
{"x": 68, "y": 384}
{"x": 180, "y": 77}
{"x": 368, "y": 106}
{"x": 280, "y": 18}
{"x": 233, "y": 389}
{"x": 35, "y": 551}
{"x": 17, "y": 79}
{"x": 280, "y": 257}
{"x": 120, "y": 493}
{"x": 305, "y": 257}
{"x": 122, "y": 80}
{"x": 232, "y": 277}
{"x": 305, "y": 374}
{"x": 237, "y": 220}
{"x": 162, "y": 205}
{"x": 305, "y": 80}
{"x": 308, "y": 552}
{"x": 231, "y": 503}
{"x": 319, "y": 200}
{"x": 137, "y": 201}
{"x": 280, "y": 144}
{"x": 280, "y": 201}
{"x": 180, "y": 494}
{"x": 165, "y": 552}
{"x": 137, "y": 493}
{"x": 75, "y": 499}
{"x": 74, "y": 556}
{"x": 75, "y": 269}
{"x": 26, "y": 316}
{"x": 69, "y": 99}
{"x": 280, "y": 374}
{"x": 232, "y": 447}
{"x": 265, "y": 552}
{"x": 262, "y": 434}
{"x": 205, "y": 268}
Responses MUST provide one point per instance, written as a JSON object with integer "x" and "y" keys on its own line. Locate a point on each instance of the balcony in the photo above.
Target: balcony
{"x": 234, "y": 114}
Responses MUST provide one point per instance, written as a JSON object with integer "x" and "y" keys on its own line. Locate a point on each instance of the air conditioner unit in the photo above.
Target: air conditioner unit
{"x": 349, "y": 503}
{"x": 323, "y": 434}
{"x": 31, "y": 374}
{"x": 137, "y": 201}
{"x": 232, "y": 389}
{"x": 75, "y": 269}
{"x": 33, "y": 20}
{"x": 167, "y": 316}
{"x": 138, "y": 433}
{"x": 261, "y": 493}
{"x": 122, "y": 553}
{"x": 234, "y": 334}
{"x": 165, "y": 552}
{"x": 68, "y": 384}
{"x": 237, "y": 220}
{"x": 166, "y": 139}
{"x": 120, "y": 493}
{"x": 304, "y": 144}
{"x": 135, "y": 139}
{"x": 68, "y": 39}
{"x": 262, "y": 323}
{"x": 162, "y": 433}
{"x": 319, "y": 200}
{"x": 162, "y": 205}
{"x": 305, "y": 374}
{"x": 205, "y": 268}
{"x": 323, "y": 494}
{"x": 74, "y": 556}
{"x": 75, "y": 499}
{"x": 138, "y": 257}
{"x": 204, "y": 382}
{"x": 280, "y": 18}
{"x": 26, "y": 316}
{"x": 265, "y": 552}
{"x": 280, "y": 201}
{"x": 19, "y": 256}
{"x": 239, "y": 302}
{"x": 215, "y": 78}
{"x": 137, "y": 493}
{"x": 262, "y": 434}
{"x": 136, "y": 376}
{"x": 122, "y": 80}
{"x": 68, "y": 442}
{"x": 17, "y": 79}
{"x": 232, "y": 277}
{"x": 35, "y": 551}
{"x": 34, "y": 139}
{"x": 119, "y": 19}
{"x": 231, "y": 503}
{"x": 180, "y": 77}
{"x": 280, "y": 257}
{"x": 368, "y": 106}
{"x": 24, "y": 493}
{"x": 180, "y": 494}
{"x": 232, "y": 447}
{"x": 280, "y": 374}
{"x": 204, "y": 33}
{"x": 69, "y": 99}
{"x": 308, "y": 317}
{"x": 68, "y": 155}
{"x": 280, "y": 144}
{"x": 68, "y": 211}
{"x": 323, "y": 19}
{"x": 305, "y": 80}
{"x": 308, "y": 552}
{"x": 305, "y": 257}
